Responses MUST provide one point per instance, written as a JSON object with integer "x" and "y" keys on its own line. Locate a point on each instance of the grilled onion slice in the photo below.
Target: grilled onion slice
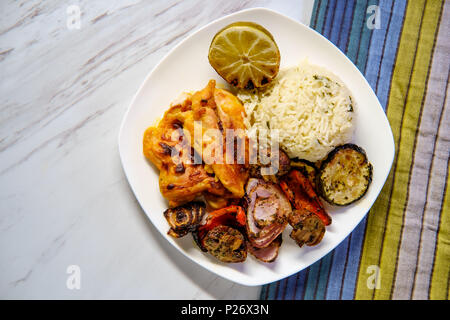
{"x": 345, "y": 175}
{"x": 184, "y": 219}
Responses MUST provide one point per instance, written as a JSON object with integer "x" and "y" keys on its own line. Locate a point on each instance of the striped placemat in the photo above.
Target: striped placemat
{"x": 401, "y": 250}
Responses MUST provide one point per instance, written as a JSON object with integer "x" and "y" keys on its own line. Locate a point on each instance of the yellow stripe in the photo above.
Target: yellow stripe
{"x": 397, "y": 183}
{"x": 440, "y": 278}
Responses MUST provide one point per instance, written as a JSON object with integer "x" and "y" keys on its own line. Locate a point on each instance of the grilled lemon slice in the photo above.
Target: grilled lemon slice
{"x": 245, "y": 55}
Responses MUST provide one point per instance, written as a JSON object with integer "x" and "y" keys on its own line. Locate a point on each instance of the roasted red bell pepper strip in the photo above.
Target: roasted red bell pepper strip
{"x": 300, "y": 192}
{"x": 224, "y": 215}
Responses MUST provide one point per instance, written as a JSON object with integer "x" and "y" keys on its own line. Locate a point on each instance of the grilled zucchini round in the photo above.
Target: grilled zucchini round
{"x": 345, "y": 175}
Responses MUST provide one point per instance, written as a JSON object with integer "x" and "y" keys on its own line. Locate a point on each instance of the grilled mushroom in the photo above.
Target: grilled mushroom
{"x": 308, "y": 228}
{"x": 226, "y": 244}
{"x": 184, "y": 219}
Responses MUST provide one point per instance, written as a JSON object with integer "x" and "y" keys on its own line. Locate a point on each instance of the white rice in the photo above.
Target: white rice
{"x": 311, "y": 108}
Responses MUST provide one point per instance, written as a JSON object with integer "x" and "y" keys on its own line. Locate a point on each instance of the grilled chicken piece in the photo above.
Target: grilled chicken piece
{"x": 219, "y": 110}
{"x": 226, "y": 244}
{"x": 180, "y": 179}
{"x": 267, "y": 212}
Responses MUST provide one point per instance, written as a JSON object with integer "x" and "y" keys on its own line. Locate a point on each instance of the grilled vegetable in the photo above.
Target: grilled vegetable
{"x": 226, "y": 244}
{"x": 302, "y": 196}
{"x": 278, "y": 162}
{"x": 184, "y": 219}
{"x": 345, "y": 175}
{"x": 232, "y": 217}
{"x": 308, "y": 228}
{"x": 308, "y": 169}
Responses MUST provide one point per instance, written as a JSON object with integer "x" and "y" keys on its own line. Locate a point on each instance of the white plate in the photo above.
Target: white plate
{"x": 186, "y": 68}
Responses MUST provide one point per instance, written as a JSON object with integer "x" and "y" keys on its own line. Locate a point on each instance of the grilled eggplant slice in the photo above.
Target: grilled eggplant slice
{"x": 308, "y": 169}
{"x": 345, "y": 175}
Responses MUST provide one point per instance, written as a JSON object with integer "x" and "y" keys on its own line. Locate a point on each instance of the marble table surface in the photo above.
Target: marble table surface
{"x": 70, "y": 226}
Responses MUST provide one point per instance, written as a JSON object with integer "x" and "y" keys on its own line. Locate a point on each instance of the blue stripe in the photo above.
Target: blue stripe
{"x": 263, "y": 292}
{"x": 373, "y": 63}
{"x": 313, "y": 275}
{"x": 271, "y": 288}
{"x": 323, "y": 276}
{"x": 354, "y": 256}
{"x": 378, "y": 39}
{"x": 359, "y": 20}
{"x": 344, "y": 32}
{"x": 281, "y": 289}
{"x": 387, "y": 65}
{"x": 329, "y": 20}
{"x": 366, "y": 37}
{"x": 295, "y": 286}
{"x": 337, "y": 271}
{"x": 321, "y": 15}
{"x": 339, "y": 12}
{"x": 300, "y": 285}
{"x": 290, "y": 285}
{"x": 314, "y": 13}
